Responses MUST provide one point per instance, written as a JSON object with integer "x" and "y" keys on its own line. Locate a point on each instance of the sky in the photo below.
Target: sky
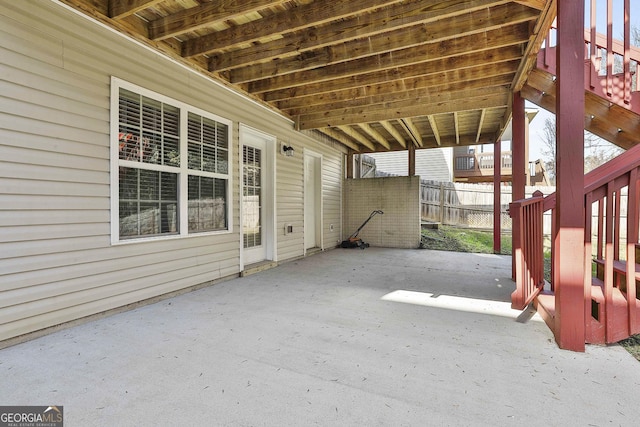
{"x": 536, "y": 131}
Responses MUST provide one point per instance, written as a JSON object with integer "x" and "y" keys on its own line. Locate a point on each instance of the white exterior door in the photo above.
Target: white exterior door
{"x": 257, "y": 197}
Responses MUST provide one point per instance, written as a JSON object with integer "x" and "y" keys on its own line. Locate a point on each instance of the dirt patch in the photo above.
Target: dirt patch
{"x": 632, "y": 345}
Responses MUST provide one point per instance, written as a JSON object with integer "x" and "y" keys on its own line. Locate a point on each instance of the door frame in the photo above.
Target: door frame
{"x": 269, "y": 191}
{"x": 317, "y": 157}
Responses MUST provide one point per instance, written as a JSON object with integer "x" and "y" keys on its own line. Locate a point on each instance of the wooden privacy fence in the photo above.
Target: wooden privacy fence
{"x": 469, "y": 205}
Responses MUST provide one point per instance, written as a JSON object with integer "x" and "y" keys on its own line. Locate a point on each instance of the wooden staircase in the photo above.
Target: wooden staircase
{"x": 612, "y": 98}
{"x": 612, "y": 122}
{"x": 611, "y": 257}
{"x": 611, "y": 248}
{"x": 621, "y": 322}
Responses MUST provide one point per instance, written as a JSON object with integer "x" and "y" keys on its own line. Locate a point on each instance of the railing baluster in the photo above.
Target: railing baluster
{"x": 608, "y": 263}
{"x": 616, "y": 224}
{"x": 593, "y": 74}
{"x": 587, "y": 259}
{"x": 627, "y": 53}
{"x": 609, "y": 47}
{"x": 632, "y": 240}
{"x": 541, "y": 242}
{"x": 600, "y": 248}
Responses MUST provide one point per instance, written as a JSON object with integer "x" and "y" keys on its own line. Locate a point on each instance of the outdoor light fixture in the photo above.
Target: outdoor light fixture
{"x": 287, "y": 150}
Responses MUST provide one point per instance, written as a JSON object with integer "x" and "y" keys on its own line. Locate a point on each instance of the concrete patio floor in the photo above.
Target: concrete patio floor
{"x": 382, "y": 337}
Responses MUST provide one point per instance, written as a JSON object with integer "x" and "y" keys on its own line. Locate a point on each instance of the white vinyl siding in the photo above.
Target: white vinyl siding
{"x": 432, "y": 164}
{"x": 57, "y": 261}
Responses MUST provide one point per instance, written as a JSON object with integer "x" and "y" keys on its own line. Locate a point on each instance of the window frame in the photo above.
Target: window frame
{"x": 182, "y": 170}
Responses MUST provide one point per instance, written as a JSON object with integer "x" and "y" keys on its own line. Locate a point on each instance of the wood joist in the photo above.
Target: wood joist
{"x": 375, "y": 75}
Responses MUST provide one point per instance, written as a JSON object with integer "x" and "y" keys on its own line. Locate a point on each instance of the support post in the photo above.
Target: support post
{"x": 350, "y": 164}
{"x": 527, "y": 167}
{"x": 412, "y": 160}
{"x": 518, "y": 164}
{"x": 497, "y": 203}
{"x": 568, "y": 239}
{"x": 518, "y": 146}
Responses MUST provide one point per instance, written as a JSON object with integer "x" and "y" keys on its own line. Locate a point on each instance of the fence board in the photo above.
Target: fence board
{"x": 469, "y": 205}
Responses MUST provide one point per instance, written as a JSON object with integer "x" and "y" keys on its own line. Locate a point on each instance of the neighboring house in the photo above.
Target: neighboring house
{"x": 433, "y": 164}
{"x": 121, "y": 174}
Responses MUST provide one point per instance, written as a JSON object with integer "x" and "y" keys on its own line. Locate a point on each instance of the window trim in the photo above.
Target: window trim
{"x": 183, "y": 170}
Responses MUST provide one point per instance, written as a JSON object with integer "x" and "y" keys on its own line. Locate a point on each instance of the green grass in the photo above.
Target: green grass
{"x": 465, "y": 240}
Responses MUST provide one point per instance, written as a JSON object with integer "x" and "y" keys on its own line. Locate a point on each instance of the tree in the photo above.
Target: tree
{"x": 597, "y": 151}
{"x": 548, "y": 149}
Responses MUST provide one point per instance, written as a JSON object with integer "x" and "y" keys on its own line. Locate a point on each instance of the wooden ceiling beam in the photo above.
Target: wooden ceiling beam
{"x": 393, "y": 132}
{"x": 480, "y": 124}
{"x": 456, "y": 125}
{"x": 304, "y": 16}
{"x": 428, "y": 86}
{"x": 384, "y": 20}
{"x": 341, "y": 138}
{"x": 355, "y": 135}
{"x": 206, "y": 14}
{"x": 434, "y": 129}
{"x": 119, "y": 9}
{"x": 377, "y": 136}
{"x": 493, "y": 41}
{"x": 436, "y": 76}
{"x": 415, "y": 133}
{"x": 463, "y": 68}
{"x": 435, "y": 32}
{"x": 535, "y": 4}
{"x": 399, "y": 110}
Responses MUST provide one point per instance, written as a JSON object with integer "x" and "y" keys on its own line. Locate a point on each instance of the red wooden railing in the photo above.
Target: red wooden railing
{"x": 528, "y": 253}
{"x": 611, "y": 63}
{"x": 614, "y": 298}
{"x": 481, "y": 164}
{"x": 611, "y": 243}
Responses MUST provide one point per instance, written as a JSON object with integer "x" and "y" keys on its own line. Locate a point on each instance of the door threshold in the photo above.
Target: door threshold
{"x": 312, "y": 251}
{"x": 257, "y": 267}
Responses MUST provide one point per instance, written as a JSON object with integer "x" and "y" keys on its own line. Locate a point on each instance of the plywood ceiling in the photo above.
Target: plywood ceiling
{"x": 374, "y": 75}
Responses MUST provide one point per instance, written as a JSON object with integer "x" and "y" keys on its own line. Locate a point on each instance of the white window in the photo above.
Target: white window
{"x": 170, "y": 167}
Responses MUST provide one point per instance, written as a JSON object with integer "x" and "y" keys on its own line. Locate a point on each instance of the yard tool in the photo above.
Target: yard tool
{"x": 353, "y": 241}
